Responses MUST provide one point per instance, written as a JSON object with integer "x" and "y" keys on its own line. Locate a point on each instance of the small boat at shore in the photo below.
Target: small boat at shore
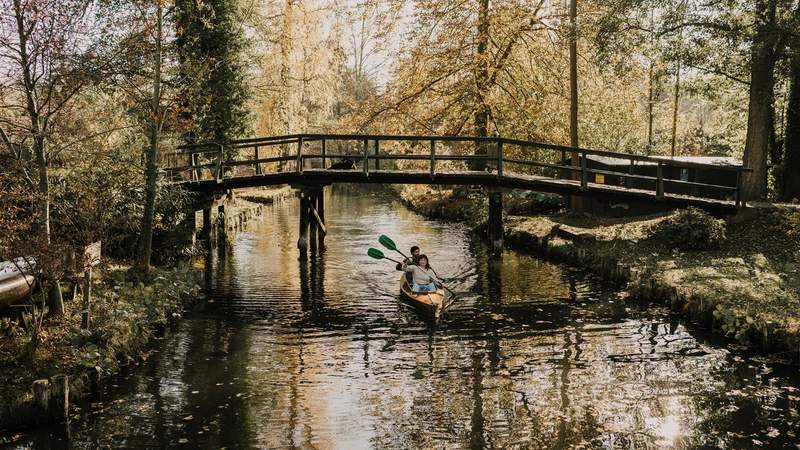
{"x": 16, "y": 281}
{"x": 430, "y": 303}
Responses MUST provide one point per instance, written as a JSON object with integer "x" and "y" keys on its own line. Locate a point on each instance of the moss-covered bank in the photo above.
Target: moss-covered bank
{"x": 748, "y": 288}
{"x": 126, "y": 314}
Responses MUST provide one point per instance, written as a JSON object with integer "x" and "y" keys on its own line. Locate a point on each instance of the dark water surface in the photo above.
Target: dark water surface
{"x": 321, "y": 354}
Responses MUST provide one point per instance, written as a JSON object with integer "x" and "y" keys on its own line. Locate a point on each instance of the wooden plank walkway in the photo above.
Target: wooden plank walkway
{"x": 310, "y": 177}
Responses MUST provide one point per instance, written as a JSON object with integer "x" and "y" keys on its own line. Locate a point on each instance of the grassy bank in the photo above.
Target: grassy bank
{"x": 125, "y": 316}
{"x": 747, "y": 288}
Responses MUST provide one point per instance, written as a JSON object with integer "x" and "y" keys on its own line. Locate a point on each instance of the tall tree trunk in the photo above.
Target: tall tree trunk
{"x": 775, "y": 155}
{"x": 650, "y": 104}
{"x": 651, "y": 90}
{"x": 791, "y": 142}
{"x": 55, "y": 302}
{"x": 762, "y": 80}
{"x": 184, "y": 12}
{"x": 151, "y": 174}
{"x": 286, "y": 113}
{"x": 573, "y": 76}
{"x": 482, "y": 110}
{"x": 577, "y": 202}
{"x": 675, "y": 105}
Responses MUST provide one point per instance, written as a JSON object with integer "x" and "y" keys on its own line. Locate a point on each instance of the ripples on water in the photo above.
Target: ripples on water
{"x": 321, "y": 354}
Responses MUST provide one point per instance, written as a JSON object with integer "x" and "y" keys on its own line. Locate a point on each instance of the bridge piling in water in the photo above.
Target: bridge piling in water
{"x": 206, "y": 231}
{"x": 321, "y": 217}
{"x": 302, "y": 239}
{"x": 495, "y": 222}
{"x": 312, "y": 220}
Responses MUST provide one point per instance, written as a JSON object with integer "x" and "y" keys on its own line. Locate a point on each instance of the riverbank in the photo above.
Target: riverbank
{"x": 748, "y": 288}
{"x": 126, "y": 315}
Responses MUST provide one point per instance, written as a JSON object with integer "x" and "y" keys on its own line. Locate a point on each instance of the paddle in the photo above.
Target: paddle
{"x": 377, "y": 254}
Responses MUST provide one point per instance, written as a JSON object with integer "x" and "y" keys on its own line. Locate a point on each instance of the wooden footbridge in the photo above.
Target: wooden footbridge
{"x": 309, "y": 162}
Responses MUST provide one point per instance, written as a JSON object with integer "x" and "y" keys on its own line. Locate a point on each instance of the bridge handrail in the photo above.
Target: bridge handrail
{"x": 311, "y": 137}
{"x": 494, "y": 156}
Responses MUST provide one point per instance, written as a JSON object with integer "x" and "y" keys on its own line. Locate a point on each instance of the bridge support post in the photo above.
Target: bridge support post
{"x": 206, "y": 231}
{"x": 312, "y": 232}
{"x": 321, "y": 214}
{"x": 222, "y": 220}
{"x": 495, "y": 225}
{"x": 312, "y": 219}
{"x": 302, "y": 239}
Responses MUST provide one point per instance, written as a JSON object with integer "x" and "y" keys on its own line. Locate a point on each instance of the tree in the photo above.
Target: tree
{"x": 791, "y": 146}
{"x": 459, "y": 58}
{"x": 156, "y": 122}
{"x": 210, "y": 44}
{"x": 764, "y": 53}
{"x": 149, "y": 81}
{"x": 47, "y": 48}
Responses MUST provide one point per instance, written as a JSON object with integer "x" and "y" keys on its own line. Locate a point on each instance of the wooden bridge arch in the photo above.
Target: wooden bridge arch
{"x": 496, "y": 163}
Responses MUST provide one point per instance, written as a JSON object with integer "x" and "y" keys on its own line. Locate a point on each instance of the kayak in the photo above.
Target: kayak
{"x": 431, "y": 303}
{"x": 15, "y": 286}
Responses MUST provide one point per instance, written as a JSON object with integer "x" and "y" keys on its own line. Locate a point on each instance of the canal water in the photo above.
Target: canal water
{"x": 286, "y": 353}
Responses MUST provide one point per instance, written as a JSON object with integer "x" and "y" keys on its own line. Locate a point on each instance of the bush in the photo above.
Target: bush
{"x": 690, "y": 229}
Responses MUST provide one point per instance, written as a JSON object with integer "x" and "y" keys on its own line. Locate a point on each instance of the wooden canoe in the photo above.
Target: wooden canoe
{"x": 431, "y": 303}
{"x": 15, "y": 286}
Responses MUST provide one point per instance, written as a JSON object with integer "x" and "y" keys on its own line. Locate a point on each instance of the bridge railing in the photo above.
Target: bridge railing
{"x": 501, "y": 156}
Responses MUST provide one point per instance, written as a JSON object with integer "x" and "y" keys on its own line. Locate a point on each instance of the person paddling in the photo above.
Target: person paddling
{"x": 423, "y": 277}
{"x": 412, "y": 260}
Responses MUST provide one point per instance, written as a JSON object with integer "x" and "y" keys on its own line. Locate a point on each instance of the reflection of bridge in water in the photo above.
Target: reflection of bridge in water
{"x": 494, "y": 163}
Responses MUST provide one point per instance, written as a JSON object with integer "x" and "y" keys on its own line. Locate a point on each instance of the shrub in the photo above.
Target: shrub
{"x": 690, "y": 229}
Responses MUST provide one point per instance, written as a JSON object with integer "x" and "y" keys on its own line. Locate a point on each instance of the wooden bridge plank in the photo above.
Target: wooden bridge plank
{"x": 509, "y": 180}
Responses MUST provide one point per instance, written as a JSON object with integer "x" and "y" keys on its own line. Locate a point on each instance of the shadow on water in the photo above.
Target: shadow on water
{"x": 319, "y": 352}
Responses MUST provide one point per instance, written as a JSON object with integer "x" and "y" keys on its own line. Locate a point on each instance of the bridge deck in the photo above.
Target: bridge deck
{"x": 508, "y": 180}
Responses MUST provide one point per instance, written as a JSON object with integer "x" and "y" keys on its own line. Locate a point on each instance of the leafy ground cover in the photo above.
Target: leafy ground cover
{"x": 125, "y": 315}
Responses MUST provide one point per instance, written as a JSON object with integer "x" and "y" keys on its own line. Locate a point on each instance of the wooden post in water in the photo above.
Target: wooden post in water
{"x": 206, "y": 231}
{"x": 41, "y": 399}
{"x": 312, "y": 232}
{"x": 302, "y": 240}
{"x": 222, "y": 222}
{"x": 495, "y": 225}
{"x": 321, "y": 214}
{"x": 59, "y": 398}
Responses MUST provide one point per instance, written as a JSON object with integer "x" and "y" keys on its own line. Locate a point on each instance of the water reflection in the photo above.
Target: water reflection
{"x": 319, "y": 352}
